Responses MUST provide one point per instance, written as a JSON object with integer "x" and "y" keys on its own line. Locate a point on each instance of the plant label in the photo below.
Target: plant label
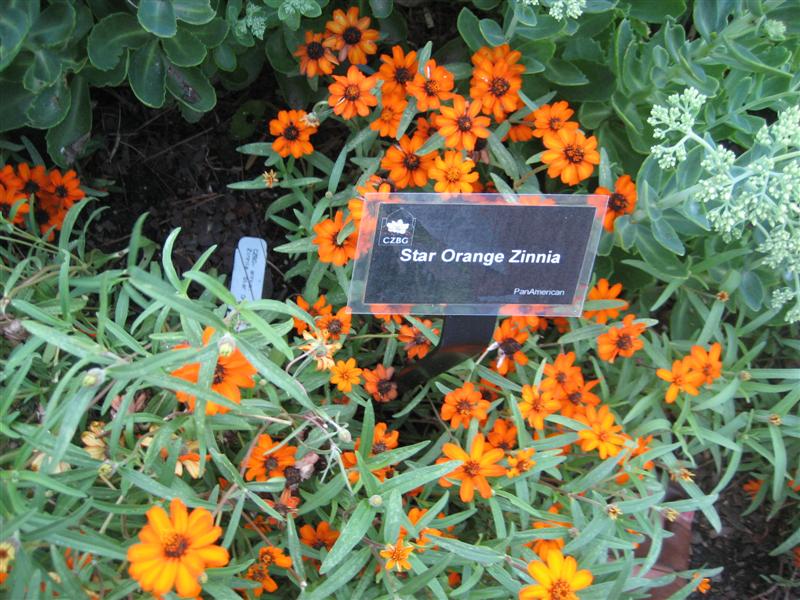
{"x": 476, "y": 254}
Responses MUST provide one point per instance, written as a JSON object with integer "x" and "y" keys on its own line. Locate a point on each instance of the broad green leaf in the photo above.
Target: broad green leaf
{"x": 345, "y": 573}
{"x": 147, "y": 74}
{"x": 350, "y": 536}
{"x": 184, "y": 49}
{"x": 53, "y": 26}
{"x": 196, "y": 12}
{"x": 191, "y": 88}
{"x": 158, "y": 17}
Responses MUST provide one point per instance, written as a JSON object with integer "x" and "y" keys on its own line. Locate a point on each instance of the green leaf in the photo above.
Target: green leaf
{"x": 147, "y": 75}
{"x": 53, "y": 26}
{"x": 196, "y": 12}
{"x": 659, "y": 12}
{"x": 158, "y": 17}
{"x": 492, "y": 32}
{"x": 50, "y": 106}
{"x": 350, "y": 536}
{"x": 417, "y": 477}
{"x": 44, "y": 71}
{"x": 381, "y": 8}
{"x": 191, "y": 88}
{"x": 752, "y": 290}
{"x": 479, "y": 554}
{"x": 345, "y": 573}
{"x": 778, "y": 463}
{"x": 469, "y": 28}
{"x": 14, "y": 26}
{"x": 666, "y": 236}
{"x": 562, "y": 72}
{"x": 111, "y": 36}
{"x": 184, "y": 49}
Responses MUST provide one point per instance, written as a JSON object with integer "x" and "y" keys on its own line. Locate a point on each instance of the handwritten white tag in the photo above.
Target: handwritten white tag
{"x": 249, "y": 269}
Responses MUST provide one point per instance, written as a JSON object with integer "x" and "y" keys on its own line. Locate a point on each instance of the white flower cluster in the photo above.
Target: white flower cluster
{"x": 573, "y": 9}
{"x": 781, "y": 296}
{"x": 679, "y": 116}
{"x": 775, "y": 30}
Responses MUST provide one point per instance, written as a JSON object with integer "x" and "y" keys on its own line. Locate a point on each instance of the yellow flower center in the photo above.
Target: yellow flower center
{"x": 561, "y": 590}
{"x": 453, "y": 174}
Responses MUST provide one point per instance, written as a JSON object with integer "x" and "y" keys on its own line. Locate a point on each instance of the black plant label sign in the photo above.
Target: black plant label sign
{"x": 479, "y": 256}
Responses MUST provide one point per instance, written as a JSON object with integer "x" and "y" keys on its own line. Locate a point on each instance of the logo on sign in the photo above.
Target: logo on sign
{"x": 397, "y": 229}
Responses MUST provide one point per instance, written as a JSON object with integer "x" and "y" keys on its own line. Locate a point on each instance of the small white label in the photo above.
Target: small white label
{"x": 249, "y": 269}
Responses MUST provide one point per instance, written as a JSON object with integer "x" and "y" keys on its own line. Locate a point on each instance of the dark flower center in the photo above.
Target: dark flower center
{"x": 402, "y": 75}
{"x": 555, "y": 124}
{"x": 335, "y": 326}
{"x": 31, "y": 187}
{"x": 472, "y": 468}
{"x": 574, "y": 154}
{"x": 352, "y": 93}
{"x": 175, "y": 545}
{"x": 318, "y": 543}
{"x": 561, "y": 377}
{"x": 499, "y": 86}
{"x": 510, "y": 346}
{"x": 624, "y": 342}
{"x": 617, "y": 202}
{"x": 271, "y": 463}
{"x": 431, "y": 87}
{"x": 574, "y": 397}
{"x": 61, "y": 191}
{"x": 464, "y": 123}
{"x": 42, "y": 216}
{"x": 411, "y": 162}
{"x": 385, "y": 387}
{"x": 464, "y": 407}
{"x": 291, "y": 132}
{"x": 219, "y": 373}
{"x": 420, "y": 339}
{"x": 315, "y": 50}
{"x": 352, "y": 35}
{"x": 378, "y": 448}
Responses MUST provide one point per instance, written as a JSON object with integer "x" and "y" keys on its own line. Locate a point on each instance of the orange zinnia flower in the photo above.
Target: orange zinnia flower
{"x": 9, "y": 178}
{"x": 543, "y": 546}
{"x": 175, "y": 550}
{"x": 259, "y": 571}
{"x": 396, "y": 72}
{"x": 681, "y": 378}
{"x": 464, "y": 404}
{"x": 578, "y": 394}
{"x": 509, "y": 341}
{"x": 351, "y": 94}
{"x": 292, "y": 134}
{"x": 704, "y": 585}
{"x": 621, "y": 341}
{"x": 396, "y": 555}
{"x": 405, "y": 166}
{"x": 232, "y": 372}
{"x": 345, "y": 375}
{"x": 321, "y": 537}
{"x": 34, "y": 180}
{"x": 475, "y": 468}
{"x": 50, "y": 213}
{"x": 622, "y": 201}
{"x": 378, "y": 382}
{"x": 537, "y": 405}
{"x": 503, "y": 435}
{"x": 557, "y": 579}
{"x": 496, "y": 86}
{"x": 706, "y": 362}
{"x": 267, "y": 459}
{"x": 753, "y": 486}
{"x": 330, "y": 249}
{"x": 416, "y": 344}
{"x": 549, "y": 119}
{"x": 382, "y": 439}
{"x": 389, "y": 120}
{"x": 9, "y": 196}
{"x": 320, "y": 307}
{"x": 520, "y": 462}
{"x": 602, "y": 291}
{"x": 601, "y": 433}
{"x": 560, "y": 374}
{"x": 65, "y": 188}
{"x": 570, "y": 155}
{"x": 460, "y": 125}
{"x": 351, "y": 36}
{"x": 453, "y": 174}
{"x": 414, "y": 515}
{"x": 315, "y": 58}
{"x": 336, "y": 325}
{"x": 431, "y": 88}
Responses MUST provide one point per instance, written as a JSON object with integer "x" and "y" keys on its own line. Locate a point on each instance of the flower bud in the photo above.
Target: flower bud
{"x": 375, "y": 501}
{"x": 226, "y": 345}
{"x": 93, "y": 377}
{"x": 344, "y": 436}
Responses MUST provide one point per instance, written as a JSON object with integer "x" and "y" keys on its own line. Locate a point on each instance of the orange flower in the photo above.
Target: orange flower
{"x": 267, "y": 459}
{"x": 351, "y": 36}
{"x": 707, "y": 363}
{"x": 424, "y": 128}
{"x": 378, "y": 382}
{"x": 292, "y": 134}
{"x": 405, "y": 166}
{"x": 570, "y": 155}
{"x": 397, "y": 71}
{"x": 416, "y": 344}
{"x": 464, "y": 404}
{"x": 601, "y": 433}
{"x": 51, "y": 213}
{"x": 330, "y": 249}
{"x": 475, "y": 468}
{"x": 704, "y": 585}
{"x": 622, "y": 201}
{"x": 321, "y": 537}
{"x": 259, "y": 571}
{"x": 315, "y": 58}
{"x": 509, "y": 341}
{"x": 382, "y": 439}
{"x": 453, "y": 174}
{"x": 520, "y": 462}
{"x": 431, "y": 88}
{"x": 561, "y": 374}
{"x": 175, "y": 550}
{"x": 396, "y": 555}
{"x": 389, "y": 120}
{"x": 602, "y": 291}
{"x": 460, "y": 125}
{"x": 414, "y": 515}
{"x": 549, "y": 119}
{"x": 753, "y": 486}
{"x": 232, "y": 372}
{"x": 503, "y": 435}
{"x": 621, "y": 341}
{"x": 345, "y": 375}
{"x": 336, "y": 325}
{"x": 535, "y": 406}
{"x": 578, "y": 394}
{"x": 558, "y": 579}
{"x": 543, "y": 546}
{"x": 682, "y": 379}
{"x": 496, "y": 86}
{"x": 65, "y": 188}
{"x": 33, "y": 181}
{"x": 9, "y": 196}
{"x": 376, "y": 183}
{"x": 320, "y": 307}
{"x": 351, "y": 94}
{"x": 642, "y": 447}
{"x": 9, "y": 178}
